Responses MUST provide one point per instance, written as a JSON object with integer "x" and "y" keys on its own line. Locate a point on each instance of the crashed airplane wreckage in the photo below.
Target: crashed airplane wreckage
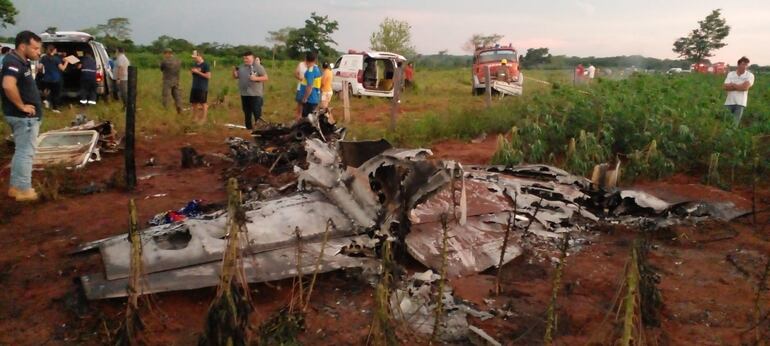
{"x": 390, "y": 194}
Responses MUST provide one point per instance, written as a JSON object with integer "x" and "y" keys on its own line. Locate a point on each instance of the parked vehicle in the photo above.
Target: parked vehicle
{"x": 492, "y": 58}
{"x": 706, "y": 68}
{"x": 368, "y": 73}
{"x": 77, "y": 44}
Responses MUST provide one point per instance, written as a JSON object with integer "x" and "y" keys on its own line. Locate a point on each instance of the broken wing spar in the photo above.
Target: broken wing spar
{"x": 396, "y": 192}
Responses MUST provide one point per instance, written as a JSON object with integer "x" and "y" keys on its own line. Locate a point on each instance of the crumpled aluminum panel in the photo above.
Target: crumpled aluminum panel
{"x": 545, "y": 195}
{"x": 270, "y": 225}
{"x": 266, "y": 266}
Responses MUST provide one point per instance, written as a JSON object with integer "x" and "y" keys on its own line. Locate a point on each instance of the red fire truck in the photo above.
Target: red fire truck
{"x": 706, "y": 68}
{"x": 506, "y": 78}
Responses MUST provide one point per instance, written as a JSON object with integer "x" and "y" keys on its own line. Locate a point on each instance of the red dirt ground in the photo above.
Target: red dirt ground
{"x": 706, "y": 299}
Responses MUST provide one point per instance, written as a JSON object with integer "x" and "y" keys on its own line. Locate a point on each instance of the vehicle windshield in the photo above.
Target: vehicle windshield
{"x": 497, "y": 55}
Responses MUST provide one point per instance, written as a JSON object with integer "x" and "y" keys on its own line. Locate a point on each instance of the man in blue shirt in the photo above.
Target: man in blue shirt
{"x": 309, "y": 93}
{"x": 88, "y": 79}
{"x": 52, "y": 76}
{"x": 23, "y": 111}
{"x": 201, "y": 73}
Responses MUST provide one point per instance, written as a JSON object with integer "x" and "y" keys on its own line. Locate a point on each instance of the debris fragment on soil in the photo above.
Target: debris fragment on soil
{"x": 76, "y": 145}
{"x": 395, "y": 192}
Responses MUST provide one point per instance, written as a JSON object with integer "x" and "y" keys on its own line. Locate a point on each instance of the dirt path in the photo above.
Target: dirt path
{"x": 706, "y": 299}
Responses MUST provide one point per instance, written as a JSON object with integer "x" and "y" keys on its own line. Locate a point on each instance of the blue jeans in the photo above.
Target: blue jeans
{"x": 25, "y": 132}
{"x": 737, "y": 112}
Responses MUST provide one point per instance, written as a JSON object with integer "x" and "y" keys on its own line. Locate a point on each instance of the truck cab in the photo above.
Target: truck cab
{"x": 492, "y": 57}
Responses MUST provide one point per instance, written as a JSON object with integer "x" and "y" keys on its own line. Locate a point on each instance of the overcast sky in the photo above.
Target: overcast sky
{"x": 572, "y": 27}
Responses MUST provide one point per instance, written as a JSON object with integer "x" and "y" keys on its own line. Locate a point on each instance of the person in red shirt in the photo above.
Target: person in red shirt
{"x": 579, "y": 72}
{"x": 409, "y": 75}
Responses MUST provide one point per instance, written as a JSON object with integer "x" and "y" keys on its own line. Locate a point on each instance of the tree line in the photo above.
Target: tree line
{"x": 393, "y": 35}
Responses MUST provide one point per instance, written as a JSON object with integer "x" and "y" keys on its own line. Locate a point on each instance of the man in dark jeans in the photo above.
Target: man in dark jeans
{"x": 251, "y": 77}
{"x": 87, "y": 79}
{"x": 53, "y": 66}
{"x": 23, "y": 110}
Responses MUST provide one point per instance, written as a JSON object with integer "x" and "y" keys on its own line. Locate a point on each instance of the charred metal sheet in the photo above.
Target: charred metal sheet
{"x": 549, "y": 205}
{"x": 72, "y": 149}
{"x": 351, "y": 193}
{"x": 281, "y": 147}
{"x": 266, "y": 266}
{"x": 472, "y": 248}
{"x": 270, "y": 226}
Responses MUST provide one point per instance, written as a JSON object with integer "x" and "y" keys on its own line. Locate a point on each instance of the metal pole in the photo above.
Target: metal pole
{"x": 397, "y": 83}
{"x": 130, "y": 129}
{"x": 488, "y": 82}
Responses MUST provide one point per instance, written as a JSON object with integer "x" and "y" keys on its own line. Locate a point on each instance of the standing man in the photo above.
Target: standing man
{"x": 299, "y": 74}
{"x": 170, "y": 67}
{"x": 409, "y": 75}
{"x": 88, "y": 85}
{"x": 122, "y": 63}
{"x": 591, "y": 72}
{"x": 579, "y": 73}
{"x": 53, "y": 66}
{"x": 250, "y": 76}
{"x": 23, "y": 111}
{"x": 309, "y": 94}
{"x": 737, "y": 85}
{"x": 201, "y": 73}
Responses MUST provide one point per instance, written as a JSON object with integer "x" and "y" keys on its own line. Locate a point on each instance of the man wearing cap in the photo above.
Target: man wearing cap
{"x": 23, "y": 111}
{"x": 170, "y": 67}
{"x": 251, "y": 77}
{"x": 201, "y": 73}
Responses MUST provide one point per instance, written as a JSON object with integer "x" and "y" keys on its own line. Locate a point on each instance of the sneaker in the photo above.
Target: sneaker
{"x": 12, "y": 192}
{"x": 56, "y": 111}
{"x": 26, "y": 195}
{"x": 91, "y": 102}
{"x": 46, "y": 104}
{"x": 82, "y": 102}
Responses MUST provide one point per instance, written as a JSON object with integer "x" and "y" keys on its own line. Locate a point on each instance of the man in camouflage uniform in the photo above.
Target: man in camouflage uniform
{"x": 170, "y": 67}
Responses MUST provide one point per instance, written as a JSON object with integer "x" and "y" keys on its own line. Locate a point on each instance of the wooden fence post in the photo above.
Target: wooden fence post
{"x": 398, "y": 82}
{"x": 488, "y": 92}
{"x": 130, "y": 129}
{"x": 346, "y": 101}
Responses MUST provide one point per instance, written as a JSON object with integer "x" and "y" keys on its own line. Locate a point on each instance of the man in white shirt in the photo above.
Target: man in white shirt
{"x": 121, "y": 75}
{"x": 737, "y": 85}
{"x": 591, "y": 71}
{"x": 299, "y": 73}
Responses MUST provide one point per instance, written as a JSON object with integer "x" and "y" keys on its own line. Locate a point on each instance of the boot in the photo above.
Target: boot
{"x": 26, "y": 195}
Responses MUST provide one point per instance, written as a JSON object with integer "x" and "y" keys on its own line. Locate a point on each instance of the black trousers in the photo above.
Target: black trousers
{"x": 88, "y": 89}
{"x": 54, "y": 93}
{"x": 252, "y": 108}
{"x": 308, "y": 108}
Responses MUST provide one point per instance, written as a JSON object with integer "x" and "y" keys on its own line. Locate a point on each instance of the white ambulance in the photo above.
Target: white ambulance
{"x": 368, "y": 73}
